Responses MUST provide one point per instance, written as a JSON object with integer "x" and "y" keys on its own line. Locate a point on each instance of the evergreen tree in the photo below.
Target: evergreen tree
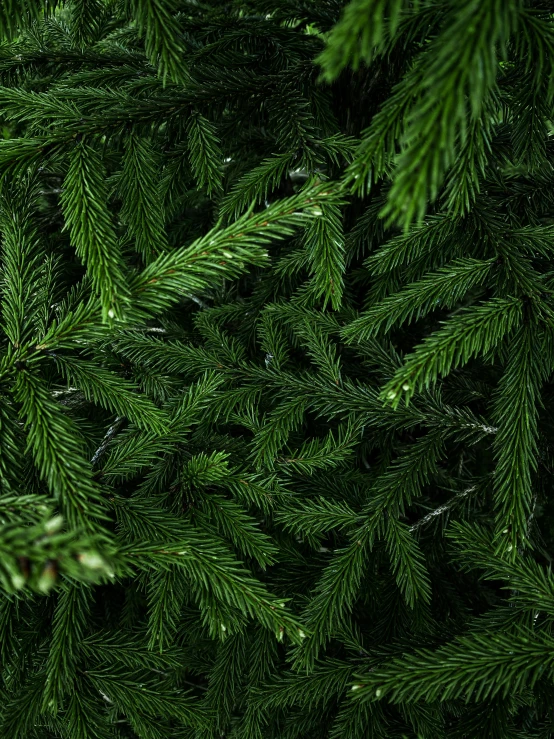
{"x": 276, "y": 369}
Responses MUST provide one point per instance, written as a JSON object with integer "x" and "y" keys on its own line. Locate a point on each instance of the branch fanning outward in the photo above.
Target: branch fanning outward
{"x": 222, "y": 270}
{"x": 441, "y": 289}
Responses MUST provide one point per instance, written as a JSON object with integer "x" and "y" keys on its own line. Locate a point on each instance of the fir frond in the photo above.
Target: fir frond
{"x": 157, "y": 24}
{"x": 84, "y": 202}
{"x": 463, "y": 669}
{"x": 476, "y": 331}
{"x": 142, "y": 204}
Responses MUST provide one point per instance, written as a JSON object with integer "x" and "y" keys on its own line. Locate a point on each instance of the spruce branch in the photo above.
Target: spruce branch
{"x": 69, "y": 479}
{"x": 475, "y": 331}
{"x": 475, "y": 667}
{"x": 142, "y": 209}
{"x": 84, "y": 203}
{"x": 516, "y": 440}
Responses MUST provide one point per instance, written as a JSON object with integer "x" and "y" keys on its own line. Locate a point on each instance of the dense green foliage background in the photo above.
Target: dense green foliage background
{"x": 277, "y": 350}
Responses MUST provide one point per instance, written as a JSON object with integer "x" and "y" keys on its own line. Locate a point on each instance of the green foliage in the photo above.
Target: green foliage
{"x": 276, "y": 356}
{"x": 142, "y": 207}
{"x": 16, "y": 15}
{"x": 204, "y": 153}
{"x": 476, "y": 667}
{"x": 364, "y": 29}
{"x": 84, "y": 202}
{"x": 155, "y": 21}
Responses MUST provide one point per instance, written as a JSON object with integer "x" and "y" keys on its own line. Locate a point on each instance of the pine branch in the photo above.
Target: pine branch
{"x": 205, "y": 153}
{"x": 257, "y": 184}
{"x": 69, "y": 479}
{"x": 21, "y": 257}
{"x": 462, "y": 60}
{"x": 69, "y": 624}
{"x": 148, "y": 700}
{"x": 516, "y": 414}
{"x": 84, "y": 203}
{"x": 157, "y": 24}
{"x": 442, "y": 289}
{"x": 531, "y": 586}
{"x": 475, "y": 331}
{"x": 364, "y": 29}
{"x": 86, "y": 18}
{"x": 112, "y": 393}
{"x": 16, "y": 15}
{"x": 222, "y": 253}
{"x": 474, "y": 667}
{"x": 142, "y": 209}
{"x": 324, "y": 242}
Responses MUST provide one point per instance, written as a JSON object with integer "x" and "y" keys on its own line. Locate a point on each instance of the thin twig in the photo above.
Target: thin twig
{"x": 197, "y": 300}
{"x": 532, "y": 513}
{"x": 110, "y": 433}
{"x": 442, "y": 509}
{"x": 66, "y": 391}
